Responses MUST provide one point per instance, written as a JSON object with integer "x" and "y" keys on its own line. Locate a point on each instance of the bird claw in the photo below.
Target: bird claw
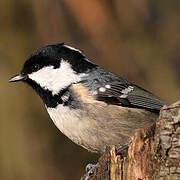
{"x": 90, "y": 170}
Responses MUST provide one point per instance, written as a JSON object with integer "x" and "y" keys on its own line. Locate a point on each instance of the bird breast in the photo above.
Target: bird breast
{"x": 97, "y": 124}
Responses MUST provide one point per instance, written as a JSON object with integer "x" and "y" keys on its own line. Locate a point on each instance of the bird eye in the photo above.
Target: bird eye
{"x": 36, "y": 67}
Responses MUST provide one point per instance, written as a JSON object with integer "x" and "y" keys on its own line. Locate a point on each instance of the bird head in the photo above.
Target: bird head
{"x": 53, "y": 68}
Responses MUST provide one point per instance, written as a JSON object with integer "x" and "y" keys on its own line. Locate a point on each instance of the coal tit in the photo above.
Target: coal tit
{"x": 90, "y": 105}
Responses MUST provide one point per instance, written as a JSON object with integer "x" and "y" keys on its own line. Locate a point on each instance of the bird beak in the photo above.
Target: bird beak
{"x": 18, "y": 77}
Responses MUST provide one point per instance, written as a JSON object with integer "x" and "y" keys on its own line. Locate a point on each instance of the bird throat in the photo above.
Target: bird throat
{"x": 65, "y": 97}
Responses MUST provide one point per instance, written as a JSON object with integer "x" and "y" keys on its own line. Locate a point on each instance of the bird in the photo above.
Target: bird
{"x": 89, "y": 104}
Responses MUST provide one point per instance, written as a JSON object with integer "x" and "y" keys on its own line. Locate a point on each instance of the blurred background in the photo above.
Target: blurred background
{"x": 138, "y": 39}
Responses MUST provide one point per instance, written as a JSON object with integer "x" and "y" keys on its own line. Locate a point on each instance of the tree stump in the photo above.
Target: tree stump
{"x": 154, "y": 153}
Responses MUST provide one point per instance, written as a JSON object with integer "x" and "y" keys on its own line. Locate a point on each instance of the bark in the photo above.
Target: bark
{"x": 153, "y": 154}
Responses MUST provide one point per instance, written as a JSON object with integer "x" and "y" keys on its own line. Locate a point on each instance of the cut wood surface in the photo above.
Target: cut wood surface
{"x": 154, "y": 153}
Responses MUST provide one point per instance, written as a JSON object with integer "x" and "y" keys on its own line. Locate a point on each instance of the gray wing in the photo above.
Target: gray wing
{"x": 130, "y": 95}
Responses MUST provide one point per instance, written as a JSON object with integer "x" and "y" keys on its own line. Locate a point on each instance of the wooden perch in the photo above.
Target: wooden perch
{"x": 153, "y": 154}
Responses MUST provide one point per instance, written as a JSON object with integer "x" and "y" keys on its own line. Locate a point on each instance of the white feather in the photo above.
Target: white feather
{"x": 72, "y": 48}
{"x": 102, "y": 89}
{"x": 56, "y": 79}
{"x": 126, "y": 91}
{"x": 68, "y": 121}
{"x": 108, "y": 86}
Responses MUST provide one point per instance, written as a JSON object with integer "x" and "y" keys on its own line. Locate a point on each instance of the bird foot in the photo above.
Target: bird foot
{"x": 90, "y": 171}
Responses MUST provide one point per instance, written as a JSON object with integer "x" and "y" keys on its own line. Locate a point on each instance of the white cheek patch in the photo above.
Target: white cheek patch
{"x": 56, "y": 79}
